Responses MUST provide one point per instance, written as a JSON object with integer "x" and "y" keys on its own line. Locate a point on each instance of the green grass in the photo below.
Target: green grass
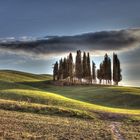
{"x": 49, "y": 98}
{"x": 117, "y": 97}
{"x": 43, "y": 109}
{"x": 33, "y": 88}
{"x": 31, "y": 108}
{"x": 20, "y": 125}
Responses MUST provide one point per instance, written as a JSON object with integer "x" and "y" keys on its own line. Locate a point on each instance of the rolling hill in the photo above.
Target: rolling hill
{"x": 33, "y": 96}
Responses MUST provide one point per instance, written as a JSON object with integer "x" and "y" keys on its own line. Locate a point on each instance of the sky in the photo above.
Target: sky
{"x": 113, "y": 25}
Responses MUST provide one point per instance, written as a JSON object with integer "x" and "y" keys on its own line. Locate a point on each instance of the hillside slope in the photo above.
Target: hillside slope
{"x": 33, "y": 88}
{"x": 30, "y": 108}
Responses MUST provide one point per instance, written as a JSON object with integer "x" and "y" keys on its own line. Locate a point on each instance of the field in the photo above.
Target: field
{"x": 31, "y": 108}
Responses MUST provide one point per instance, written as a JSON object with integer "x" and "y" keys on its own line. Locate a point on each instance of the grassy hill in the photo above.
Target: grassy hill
{"x": 31, "y": 93}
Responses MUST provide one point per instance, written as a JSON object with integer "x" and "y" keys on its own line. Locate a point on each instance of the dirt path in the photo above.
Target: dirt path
{"x": 115, "y": 131}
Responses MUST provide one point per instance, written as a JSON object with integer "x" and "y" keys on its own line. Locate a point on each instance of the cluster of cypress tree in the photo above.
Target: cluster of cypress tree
{"x": 81, "y": 72}
{"x": 64, "y": 69}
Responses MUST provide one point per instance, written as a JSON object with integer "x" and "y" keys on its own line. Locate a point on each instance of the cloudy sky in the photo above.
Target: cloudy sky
{"x": 49, "y": 29}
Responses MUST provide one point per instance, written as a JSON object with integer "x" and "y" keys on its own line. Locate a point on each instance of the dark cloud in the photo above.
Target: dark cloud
{"x": 98, "y": 41}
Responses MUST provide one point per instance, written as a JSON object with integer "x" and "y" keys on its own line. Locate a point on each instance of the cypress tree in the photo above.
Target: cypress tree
{"x": 60, "y": 71}
{"x": 88, "y": 68}
{"x": 109, "y": 77}
{"x": 55, "y": 71}
{"x": 105, "y": 68}
{"x": 65, "y": 68}
{"x": 70, "y": 66}
{"x": 93, "y": 71}
{"x": 99, "y": 75}
{"x": 84, "y": 75}
{"x": 117, "y": 77}
{"x": 78, "y": 65}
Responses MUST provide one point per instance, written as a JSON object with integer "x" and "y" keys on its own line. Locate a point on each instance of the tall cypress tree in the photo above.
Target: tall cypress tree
{"x": 65, "y": 68}
{"x": 105, "y": 68}
{"x": 109, "y": 77}
{"x": 99, "y": 75}
{"x": 101, "y": 72}
{"x": 88, "y": 68}
{"x": 117, "y": 77}
{"x": 84, "y": 75}
{"x": 70, "y": 66}
{"x": 60, "y": 71}
{"x": 78, "y": 65}
{"x": 55, "y": 71}
{"x": 93, "y": 71}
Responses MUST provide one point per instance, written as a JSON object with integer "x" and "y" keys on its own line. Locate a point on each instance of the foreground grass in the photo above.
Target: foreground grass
{"x": 30, "y": 126}
{"x": 130, "y": 130}
{"x": 43, "y": 109}
{"x": 19, "y": 125}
